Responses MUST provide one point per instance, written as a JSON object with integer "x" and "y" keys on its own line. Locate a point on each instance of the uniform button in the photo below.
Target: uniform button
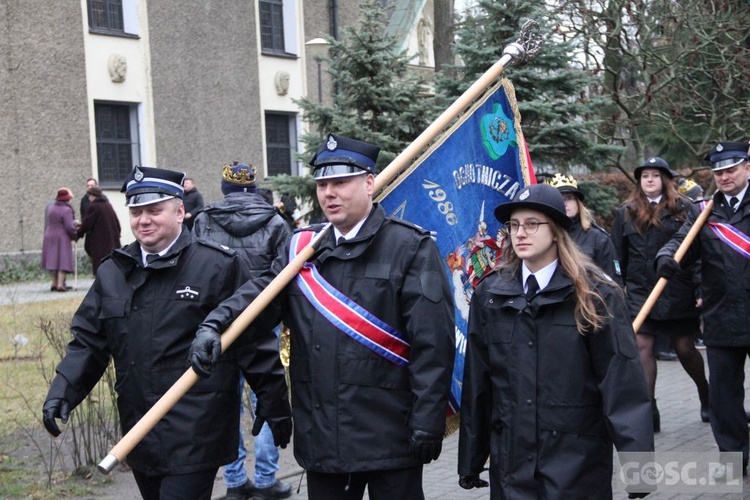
{"x": 531, "y": 344}
{"x": 554, "y": 433}
{"x": 317, "y": 406}
{"x": 135, "y": 308}
{"x": 529, "y": 402}
{"x": 529, "y": 458}
{"x": 317, "y": 347}
{"x": 492, "y": 301}
{"x": 132, "y": 363}
{"x": 348, "y": 254}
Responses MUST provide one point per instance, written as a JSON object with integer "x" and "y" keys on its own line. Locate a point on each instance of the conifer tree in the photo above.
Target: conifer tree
{"x": 558, "y": 109}
{"x": 375, "y": 98}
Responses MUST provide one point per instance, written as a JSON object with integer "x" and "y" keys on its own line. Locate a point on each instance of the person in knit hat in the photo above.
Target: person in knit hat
{"x": 246, "y": 222}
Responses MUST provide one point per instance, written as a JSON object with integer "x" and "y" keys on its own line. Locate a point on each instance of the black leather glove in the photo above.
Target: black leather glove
{"x": 205, "y": 350}
{"x": 52, "y": 409}
{"x": 469, "y": 482}
{"x": 666, "y": 267}
{"x": 426, "y": 446}
{"x": 281, "y": 428}
{"x": 638, "y": 495}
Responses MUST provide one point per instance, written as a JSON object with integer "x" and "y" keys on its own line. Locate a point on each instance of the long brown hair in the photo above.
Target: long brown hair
{"x": 579, "y": 268}
{"x": 638, "y": 208}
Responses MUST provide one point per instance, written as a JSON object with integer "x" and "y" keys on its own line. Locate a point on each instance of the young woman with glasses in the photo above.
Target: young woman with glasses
{"x": 552, "y": 378}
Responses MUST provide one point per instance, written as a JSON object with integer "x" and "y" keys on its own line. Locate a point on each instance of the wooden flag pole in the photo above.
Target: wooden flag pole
{"x": 526, "y": 46}
{"x": 679, "y": 254}
{"x": 118, "y": 453}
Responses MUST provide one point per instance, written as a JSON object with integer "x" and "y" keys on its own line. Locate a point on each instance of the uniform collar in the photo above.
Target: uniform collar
{"x": 543, "y": 276}
{"x": 145, "y": 254}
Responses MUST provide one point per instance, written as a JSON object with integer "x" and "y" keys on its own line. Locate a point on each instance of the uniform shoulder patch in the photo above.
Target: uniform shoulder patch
{"x": 410, "y": 225}
{"x": 598, "y": 227}
{"x": 211, "y": 244}
{"x": 312, "y": 227}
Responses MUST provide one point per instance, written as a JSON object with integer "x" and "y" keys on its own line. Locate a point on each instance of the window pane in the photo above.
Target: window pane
{"x": 279, "y": 145}
{"x": 272, "y": 25}
{"x": 114, "y": 143}
{"x": 106, "y": 15}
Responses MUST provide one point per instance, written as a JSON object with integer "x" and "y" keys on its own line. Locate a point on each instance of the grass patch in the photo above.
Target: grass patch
{"x": 21, "y": 381}
{"x": 17, "y": 480}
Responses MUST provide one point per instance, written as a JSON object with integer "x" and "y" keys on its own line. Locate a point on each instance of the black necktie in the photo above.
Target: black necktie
{"x": 341, "y": 240}
{"x": 151, "y": 257}
{"x": 532, "y": 287}
{"x": 653, "y": 203}
{"x": 733, "y": 201}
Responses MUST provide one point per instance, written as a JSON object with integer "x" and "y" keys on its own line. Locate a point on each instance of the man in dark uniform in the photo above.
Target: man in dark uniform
{"x": 371, "y": 359}
{"x": 147, "y": 300}
{"x": 723, "y": 246}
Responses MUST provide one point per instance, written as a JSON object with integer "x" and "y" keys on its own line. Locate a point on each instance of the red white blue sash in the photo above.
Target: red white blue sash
{"x": 344, "y": 313}
{"x": 730, "y": 235}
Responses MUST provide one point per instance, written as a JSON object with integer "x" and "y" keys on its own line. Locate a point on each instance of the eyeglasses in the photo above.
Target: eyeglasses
{"x": 529, "y": 227}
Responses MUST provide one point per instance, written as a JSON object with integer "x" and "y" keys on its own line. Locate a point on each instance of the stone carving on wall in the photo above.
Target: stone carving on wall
{"x": 118, "y": 68}
{"x": 281, "y": 80}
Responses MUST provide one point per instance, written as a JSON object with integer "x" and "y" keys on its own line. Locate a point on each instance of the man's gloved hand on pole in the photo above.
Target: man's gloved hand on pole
{"x": 666, "y": 267}
{"x": 205, "y": 350}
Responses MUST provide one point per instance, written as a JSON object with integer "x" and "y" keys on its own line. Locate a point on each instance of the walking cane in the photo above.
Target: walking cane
{"x": 75, "y": 265}
{"x": 527, "y": 44}
{"x": 679, "y": 254}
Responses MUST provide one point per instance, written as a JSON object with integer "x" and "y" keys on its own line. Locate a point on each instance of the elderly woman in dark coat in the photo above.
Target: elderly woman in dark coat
{"x": 57, "y": 254}
{"x": 101, "y": 227}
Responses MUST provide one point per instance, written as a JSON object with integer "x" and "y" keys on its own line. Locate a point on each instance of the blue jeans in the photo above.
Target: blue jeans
{"x": 265, "y": 450}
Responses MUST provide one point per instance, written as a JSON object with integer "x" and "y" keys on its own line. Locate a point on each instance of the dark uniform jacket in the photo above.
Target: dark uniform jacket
{"x": 248, "y": 224}
{"x": 353, "y": 409}
{"x": 637, "y": 253}
{"x": 544, "y": 402}
{"x": 146, "y": 318}
{"x": 725, "y": 274}
{"x": 597, "y": 245}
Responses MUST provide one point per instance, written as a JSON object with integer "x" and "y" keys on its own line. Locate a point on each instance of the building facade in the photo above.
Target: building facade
{"x": 93, "y": 87}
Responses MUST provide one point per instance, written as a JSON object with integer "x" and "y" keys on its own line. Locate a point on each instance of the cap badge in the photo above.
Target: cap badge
{"x": 331, "y": 144}
{"x": 138, "y": 176}
{"x": 719, "y": 148}
{"x": 524, "y": 195}
{"x": 652, "y": 160}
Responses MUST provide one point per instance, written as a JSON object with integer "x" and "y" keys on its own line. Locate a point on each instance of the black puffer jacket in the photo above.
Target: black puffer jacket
{"x": 146, "y": 318}
{"x": 543, "y": 401}
{"x": 637, "y": 253}
{"x": 353, "y": 409}
{"x": 597, "y": 244}
{"x": 247, "y": 223}
{"x": 726, "y": 274}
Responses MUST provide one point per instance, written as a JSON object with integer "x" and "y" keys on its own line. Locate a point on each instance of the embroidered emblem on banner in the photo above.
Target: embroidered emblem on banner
{"x": 730, "y": 235}
{"x": 344, "y": 313}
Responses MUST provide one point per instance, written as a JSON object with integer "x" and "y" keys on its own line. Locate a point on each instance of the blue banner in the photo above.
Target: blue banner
{"x": 453, "y": 189}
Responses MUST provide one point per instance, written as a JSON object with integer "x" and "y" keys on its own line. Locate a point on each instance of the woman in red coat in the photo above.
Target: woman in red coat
{"x": 57, "y": 254}
{"x": 101, "y": 227}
